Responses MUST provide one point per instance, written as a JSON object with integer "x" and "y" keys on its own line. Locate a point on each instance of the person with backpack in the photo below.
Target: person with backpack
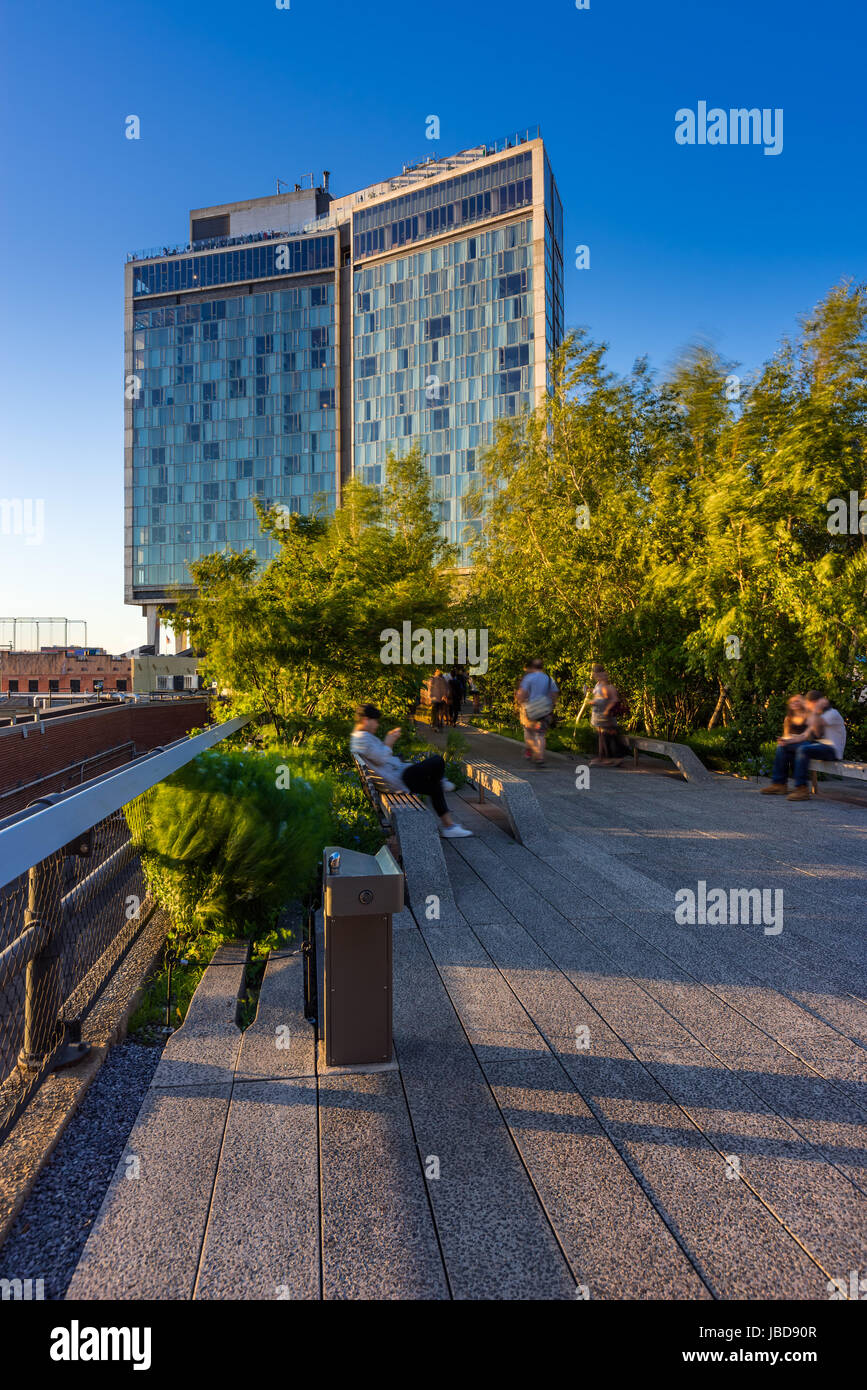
{"x": 536, "y": 697}
{"x": 605, "y": 707}
{"x": 438, "y": 688}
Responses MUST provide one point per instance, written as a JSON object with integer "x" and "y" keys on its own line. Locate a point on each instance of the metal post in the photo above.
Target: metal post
{"x": 43, "y": 980}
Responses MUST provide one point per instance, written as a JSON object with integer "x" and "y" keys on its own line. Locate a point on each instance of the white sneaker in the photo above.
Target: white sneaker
{"x": 454, "y": 832}
{"x": 447, "y": 785}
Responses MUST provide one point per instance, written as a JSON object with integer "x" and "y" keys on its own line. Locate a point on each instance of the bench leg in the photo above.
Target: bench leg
{"x": 635, "y": 757}
{"x": 815, "y": 776}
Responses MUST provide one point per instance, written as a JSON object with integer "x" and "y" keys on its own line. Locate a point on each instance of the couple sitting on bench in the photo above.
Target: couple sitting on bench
{"x": 812, "y": 730}
{"x": 426, "y": 778}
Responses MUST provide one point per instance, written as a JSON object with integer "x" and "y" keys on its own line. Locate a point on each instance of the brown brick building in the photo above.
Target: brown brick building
{"x": 63, "y": 671}
{"x": 53, "y": 755}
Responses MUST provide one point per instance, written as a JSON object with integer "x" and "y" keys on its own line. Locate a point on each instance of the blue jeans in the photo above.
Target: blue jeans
{"x": 798, "y": 756}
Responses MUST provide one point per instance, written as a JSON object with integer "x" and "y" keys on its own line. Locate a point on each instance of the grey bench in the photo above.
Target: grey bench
{"x": 524, "y": 814}
{"x": 687, "y": 762}
{"x": 419, "y": 847}
{"x": 857, "y": 772}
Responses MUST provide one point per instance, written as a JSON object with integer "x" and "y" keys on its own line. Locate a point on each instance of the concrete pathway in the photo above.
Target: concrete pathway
{"x": 594, "y": 1099}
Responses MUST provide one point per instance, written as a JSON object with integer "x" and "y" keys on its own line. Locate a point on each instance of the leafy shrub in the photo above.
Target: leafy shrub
{"x": 233, "y": 835}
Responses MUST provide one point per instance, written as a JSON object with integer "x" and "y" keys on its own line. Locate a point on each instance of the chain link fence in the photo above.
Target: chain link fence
{"x": 67, "y": 922}
{"x": 64, "y": 927}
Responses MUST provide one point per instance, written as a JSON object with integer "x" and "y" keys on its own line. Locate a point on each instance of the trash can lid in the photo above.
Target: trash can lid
{"x": 353, "y": 863}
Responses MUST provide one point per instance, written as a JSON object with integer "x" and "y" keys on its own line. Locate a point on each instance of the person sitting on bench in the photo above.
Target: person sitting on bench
{"x": 426, "y": 778}
{"x": 823, "y": 738}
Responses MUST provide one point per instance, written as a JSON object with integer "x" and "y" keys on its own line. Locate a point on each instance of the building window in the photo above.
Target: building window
{"x": 54, "y": 687}
{"x": 33, "y": 687}
{"x": 13, "y": 687}
{"x": 121, "y": 685}
{"x": 162, "y": 682}
{"x": 75, "y": 686}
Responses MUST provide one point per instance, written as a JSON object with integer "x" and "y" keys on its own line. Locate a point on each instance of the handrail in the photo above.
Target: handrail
{"x": 35, "y": 833}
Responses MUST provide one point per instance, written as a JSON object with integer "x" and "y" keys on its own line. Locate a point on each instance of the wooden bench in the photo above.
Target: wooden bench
{"x": 428, "y": 887}
{"x": 687, "y": 762}
{"x": 523, "y": 811}
{"x": 381, "y": 796}
{"x": 856, "y": 771}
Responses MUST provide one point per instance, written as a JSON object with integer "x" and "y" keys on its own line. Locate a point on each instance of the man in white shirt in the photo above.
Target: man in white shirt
{"x": 536, "y": 697}
{"x": 824, "y": 739}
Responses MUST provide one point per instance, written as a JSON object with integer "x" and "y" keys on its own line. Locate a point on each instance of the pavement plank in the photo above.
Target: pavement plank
{"x": 262, "y": 1239}
{"x": 496, "y": 1239}
{"x": 148, "y": 1235}
{"x": 378, "y": 1236}
{"x": 280, "y": 1042}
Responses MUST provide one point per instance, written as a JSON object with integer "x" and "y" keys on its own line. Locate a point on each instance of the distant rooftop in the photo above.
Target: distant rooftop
{"x": 410, "y": 175}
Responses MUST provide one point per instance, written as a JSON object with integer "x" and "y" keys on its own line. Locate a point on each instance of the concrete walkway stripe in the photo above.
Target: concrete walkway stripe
{"x": 148, "y": 1236}
{"x": 378, "y": 1236}
{"x": 262, "y": 1239}
{"x": 280, "y": 1042}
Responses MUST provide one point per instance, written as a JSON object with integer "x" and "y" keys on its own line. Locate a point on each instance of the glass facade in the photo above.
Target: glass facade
{"x": 236, "y": 401}
{"x": 443, "y": 346}
{"x": 287, "y": 257}
{"x": 554, "y": 328}
{"x": 446, "y": 206}
{"x": 441, "y": 304}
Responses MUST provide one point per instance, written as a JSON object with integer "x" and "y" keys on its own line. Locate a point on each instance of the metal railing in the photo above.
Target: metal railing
{"x": 325, "y": 223}
{"x": 73, "y": 899}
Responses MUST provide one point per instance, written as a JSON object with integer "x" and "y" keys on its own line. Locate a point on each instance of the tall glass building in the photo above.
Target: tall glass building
{"x": 295, "y": 340}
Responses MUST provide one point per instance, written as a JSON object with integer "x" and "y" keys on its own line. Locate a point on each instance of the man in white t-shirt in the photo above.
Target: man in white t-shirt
{"x": 824, "y": 739}
{"x": 536, "y": 697}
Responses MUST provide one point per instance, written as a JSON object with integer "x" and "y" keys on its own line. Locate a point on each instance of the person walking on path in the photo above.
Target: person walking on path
{"x": 457, "y": 693}
{"x": 425, "y": 778}
{"x": 536, "y": 697}
{"x": 823, "y": 738}
{"x": 604, "y": 703}
{"x": 439, "y": 695}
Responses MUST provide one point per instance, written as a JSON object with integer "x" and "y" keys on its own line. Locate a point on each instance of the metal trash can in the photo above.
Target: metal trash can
{"x": 360, "y": 894}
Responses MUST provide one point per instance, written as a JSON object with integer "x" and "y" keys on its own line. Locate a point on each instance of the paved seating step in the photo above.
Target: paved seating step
{"x": 378, "y": 1239}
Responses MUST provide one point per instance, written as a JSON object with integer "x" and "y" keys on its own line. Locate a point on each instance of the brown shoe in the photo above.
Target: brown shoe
{"x": 799, "y": 794}
{"x": 776, "y": 789}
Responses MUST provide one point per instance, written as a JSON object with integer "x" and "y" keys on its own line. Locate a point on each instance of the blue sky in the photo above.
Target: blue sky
{"x": 722, "y": 244}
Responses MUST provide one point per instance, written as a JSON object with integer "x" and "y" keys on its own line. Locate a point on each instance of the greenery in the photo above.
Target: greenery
{"x": 189, "y": 961}
{"x": 231, "y": 837}
{"x": 674, "y": 528}
{"x": 705, "y": 519}
{"x": 300, "y": 638}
